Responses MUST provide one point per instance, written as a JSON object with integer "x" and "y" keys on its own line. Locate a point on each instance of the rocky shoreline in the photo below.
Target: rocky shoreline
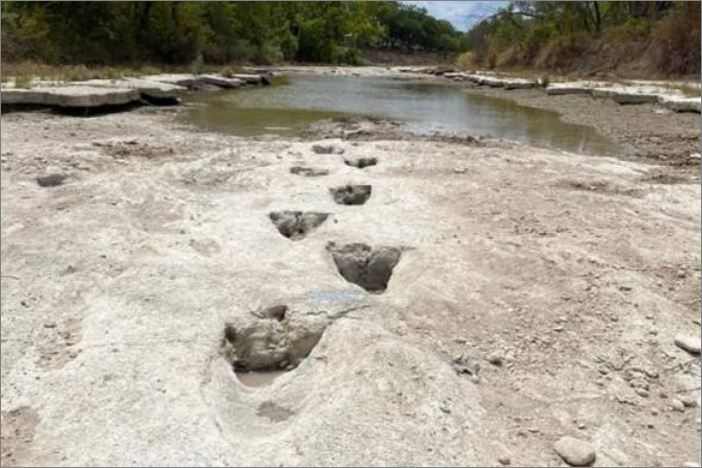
{"x": 118, "y": 94}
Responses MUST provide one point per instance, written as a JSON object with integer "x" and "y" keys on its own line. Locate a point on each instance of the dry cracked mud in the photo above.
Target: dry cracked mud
{"x": 560, "y": 280}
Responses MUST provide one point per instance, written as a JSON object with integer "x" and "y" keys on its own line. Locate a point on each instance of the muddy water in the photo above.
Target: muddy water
{"x": 424, "y": 107}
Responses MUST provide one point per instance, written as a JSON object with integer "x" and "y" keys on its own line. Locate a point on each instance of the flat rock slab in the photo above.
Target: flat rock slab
{"x": 221, "y": 81}
{"x": 72, "y": 96}
{"x": 519, "y": 83}
{"x": 189, "y": 80}
{"x": 574, "y": 451}
{"x": 148, "y": 89}
{"x": 180, "y": 79}
{"x": 624, "y": 97}
{"x": 23, "y": 96}
{"x": 678, "y": 104}
{"x": 252, "y": 78}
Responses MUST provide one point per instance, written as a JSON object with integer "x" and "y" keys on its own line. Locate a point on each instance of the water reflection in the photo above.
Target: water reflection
{"x": 425, "y": 107}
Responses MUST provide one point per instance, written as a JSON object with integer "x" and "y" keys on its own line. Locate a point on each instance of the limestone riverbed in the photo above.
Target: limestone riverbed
{"x": 485, "y": 299}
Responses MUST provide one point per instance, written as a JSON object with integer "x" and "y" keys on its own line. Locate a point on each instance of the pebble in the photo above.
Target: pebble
{"x": 504, "y": 460}
{"x": 689, "y": 343}
{"x": 677, "y": 405}
{"x": 575, "y": 452}
{"x": 327, "y": 149}
{"x": 51, "y": 180}
{"x": 642, "y": 393}
{"x": 50, "y": 324}
{"x": 495, "y": 360}
{"x": 688, "y": 402}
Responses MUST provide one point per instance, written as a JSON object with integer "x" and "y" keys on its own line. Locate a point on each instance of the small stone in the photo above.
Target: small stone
{"x": 681, "y": 274}
{"x": 51, "y": 180}
{"x": 459, "y": 170}
{"x": 695, "y": 157}
{"x": 50, "y": 324}
{"x": 688, "y": 402}
{"x": 677, "y": 405}
{"x": 625, "y": 287}
{"x": 575, "y": 452}
{"x": 504, "y": 460}
{"x": 327, "y": 149}
{"x": 495, "y": 360}
{"x": 689, "y": 343}
{"x": 654, "y": 411}
{"x": 642, "y": 393}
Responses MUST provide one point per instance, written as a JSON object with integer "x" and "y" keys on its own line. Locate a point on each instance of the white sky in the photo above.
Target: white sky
{"x": 462, "y": 14}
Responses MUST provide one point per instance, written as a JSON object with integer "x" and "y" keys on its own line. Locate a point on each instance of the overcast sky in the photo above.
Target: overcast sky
{"x": 461, "y": 14}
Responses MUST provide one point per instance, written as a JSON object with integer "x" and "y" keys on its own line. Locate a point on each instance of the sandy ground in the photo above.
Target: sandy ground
{"x": 537, "y": 294}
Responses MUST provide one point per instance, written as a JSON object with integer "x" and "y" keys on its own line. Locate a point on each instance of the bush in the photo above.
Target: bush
{"x": 465, "y": 60}
{"x": 677, "y": 37}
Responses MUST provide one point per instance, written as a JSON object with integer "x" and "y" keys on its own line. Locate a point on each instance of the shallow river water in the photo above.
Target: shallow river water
{"x": 424, "y": 107}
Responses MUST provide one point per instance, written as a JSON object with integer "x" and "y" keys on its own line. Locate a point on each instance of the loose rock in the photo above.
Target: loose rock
{"x": 689, "y": 343}
{"x": 51, "y": 180}
{"x": 574, "y": 451}
{"x": 327, "y": 149}
{"x": 504, "y": 460}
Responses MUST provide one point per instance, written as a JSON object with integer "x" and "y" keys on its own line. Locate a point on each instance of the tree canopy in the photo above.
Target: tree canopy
{"x": 217, "y": 32}
{"x": 552, "y": 35}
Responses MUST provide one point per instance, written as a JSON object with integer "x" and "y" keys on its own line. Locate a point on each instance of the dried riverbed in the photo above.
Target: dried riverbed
{"x": 486, "y": 298}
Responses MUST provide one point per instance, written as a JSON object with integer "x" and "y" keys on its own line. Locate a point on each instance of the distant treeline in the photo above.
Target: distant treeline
{"x": 637, "y": 38}
{"x": 217, "y": 32}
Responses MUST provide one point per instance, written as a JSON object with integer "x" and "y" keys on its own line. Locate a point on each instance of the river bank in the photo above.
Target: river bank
{"x": 644, "y": 131}
{"x": 517, "y": 295}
